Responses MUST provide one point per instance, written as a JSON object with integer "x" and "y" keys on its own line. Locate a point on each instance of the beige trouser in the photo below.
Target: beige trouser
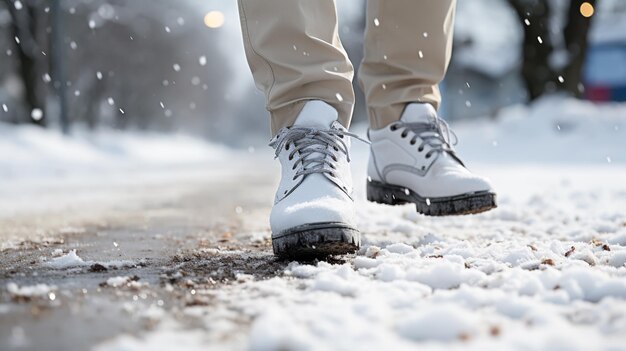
{"x": 295, "y": 55}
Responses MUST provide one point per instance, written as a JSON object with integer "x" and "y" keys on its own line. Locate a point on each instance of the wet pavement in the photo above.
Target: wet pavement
{"x": 165, "y": 238}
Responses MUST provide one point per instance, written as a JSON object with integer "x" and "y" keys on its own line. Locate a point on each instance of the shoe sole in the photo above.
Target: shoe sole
{"x": 464, "y": 204}
{"x": 316, "y": 240}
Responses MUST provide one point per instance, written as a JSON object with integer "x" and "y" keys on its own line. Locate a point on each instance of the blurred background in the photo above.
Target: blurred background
{"x": 167, "y": 66}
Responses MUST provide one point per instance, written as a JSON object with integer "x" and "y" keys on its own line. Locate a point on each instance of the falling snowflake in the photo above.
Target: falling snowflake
{"x": 36, "y": 114}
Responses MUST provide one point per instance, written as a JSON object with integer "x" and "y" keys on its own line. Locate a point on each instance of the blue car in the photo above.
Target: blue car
{"x": 605, "y": 72}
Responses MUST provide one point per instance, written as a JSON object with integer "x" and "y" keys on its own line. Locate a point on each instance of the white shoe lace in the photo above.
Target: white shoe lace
{"x": 436, "y": 135}
{"x": 312, "y": 147}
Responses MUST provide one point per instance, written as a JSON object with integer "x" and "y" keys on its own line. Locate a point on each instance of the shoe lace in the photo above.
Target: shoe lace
{"x": 435, "y": 134}
{"x": 312, "y": 147}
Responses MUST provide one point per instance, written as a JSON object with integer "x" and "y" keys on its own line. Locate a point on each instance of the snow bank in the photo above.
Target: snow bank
{"x": 29, "y": 151}
{"x": 554, "y": 130}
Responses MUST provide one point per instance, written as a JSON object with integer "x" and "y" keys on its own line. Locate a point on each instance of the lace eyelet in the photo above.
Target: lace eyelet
{"x": 428, "y": 156}
{"x": 412, "y": 142}
{"x": 294, "y": 177}
{"x": 420, "y": 149}
{"x": 404, "y": 134}
{"x": 287, "y": 147}
{"x": 393, "y": 127}
{"x": 290, "y": 158}
{"x": 335, "y": 148}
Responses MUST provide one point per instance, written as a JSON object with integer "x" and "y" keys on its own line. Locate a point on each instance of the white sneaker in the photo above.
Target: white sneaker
{"x": 412, "y": 161}
{"x": 313, "y": 213}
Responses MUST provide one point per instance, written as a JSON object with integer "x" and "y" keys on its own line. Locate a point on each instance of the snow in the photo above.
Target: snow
{"x": 554, "y": 130}
{"x": 441, "y": 323}
{"x": 38, "y": 290}
{"x": 32, "y": 152}
{"x": 166, "y": 338}
{"x": 44, "y": 165}
{"x": 505, "y": 279}
{"x": 117, "y": 281}
{"x": 72, "y": 260}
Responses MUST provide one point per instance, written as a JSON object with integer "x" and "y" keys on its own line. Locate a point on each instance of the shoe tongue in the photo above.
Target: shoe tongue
{"x": 419, "y": 112}
{"x": 316, "y": 114}
{"x": 319, "y": 115}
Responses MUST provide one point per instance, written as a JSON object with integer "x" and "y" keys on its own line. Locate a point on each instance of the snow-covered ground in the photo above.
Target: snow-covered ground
{"x": 544, "y": 271}
{"x": 31, "y": 153}
{"x": 44, "y": 173}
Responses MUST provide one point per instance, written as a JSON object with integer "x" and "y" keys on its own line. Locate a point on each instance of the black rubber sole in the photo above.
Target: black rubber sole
{"x": 464, "y": 204}
{"x": 316, "y": 240}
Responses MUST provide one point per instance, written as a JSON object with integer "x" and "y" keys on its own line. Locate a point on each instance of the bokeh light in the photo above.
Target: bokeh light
{"x": 214, "y": 19}
{"x": 586, "y": 9}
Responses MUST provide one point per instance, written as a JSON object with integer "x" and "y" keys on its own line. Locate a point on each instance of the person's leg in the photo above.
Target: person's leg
{"x": 299, "y": 63}
{"x": 407, "y": 50}
{"x": 295, "y": 55}
{"x": 408, "y": 44}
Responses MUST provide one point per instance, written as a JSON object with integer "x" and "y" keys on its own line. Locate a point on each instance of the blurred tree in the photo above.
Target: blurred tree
{"x": 25, "y": 24}
{"x": 550, "y": 66}
{"x": 58, "y": 65}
